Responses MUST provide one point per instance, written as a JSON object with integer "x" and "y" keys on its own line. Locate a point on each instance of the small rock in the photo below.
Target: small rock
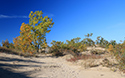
{"x": 102, "y": 74}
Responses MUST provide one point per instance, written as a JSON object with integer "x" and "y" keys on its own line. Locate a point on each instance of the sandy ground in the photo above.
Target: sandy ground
{"x": 13, "y": 66}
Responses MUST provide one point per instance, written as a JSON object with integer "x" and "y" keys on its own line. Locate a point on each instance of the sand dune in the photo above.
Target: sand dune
{"x": 46, "y": 66}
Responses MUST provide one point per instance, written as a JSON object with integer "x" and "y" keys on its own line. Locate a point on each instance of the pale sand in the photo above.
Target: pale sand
{"x": 49, "y": 67}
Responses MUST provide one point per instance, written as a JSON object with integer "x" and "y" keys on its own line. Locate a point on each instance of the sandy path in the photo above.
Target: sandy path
{"x": 49, "y": 67}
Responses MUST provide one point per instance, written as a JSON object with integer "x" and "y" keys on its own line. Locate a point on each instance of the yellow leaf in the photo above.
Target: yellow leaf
{"x": 48, "y": 31}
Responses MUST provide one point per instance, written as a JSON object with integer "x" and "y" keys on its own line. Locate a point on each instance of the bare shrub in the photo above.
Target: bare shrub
{"x": 85, "y": 57}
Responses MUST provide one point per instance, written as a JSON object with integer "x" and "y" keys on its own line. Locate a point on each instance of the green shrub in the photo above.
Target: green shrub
{"x": 119, "y": 52}
{"x": 74, "y": 47}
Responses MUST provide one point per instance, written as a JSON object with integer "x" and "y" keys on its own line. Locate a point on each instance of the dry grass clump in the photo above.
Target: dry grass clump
{"x": 89, "y": 63}
{"x": 98, "y": 52}
{"x": 105, "y": 62}
{"x": 108, "y": 63}
{"x": 85, "y": 57}
{"x": 94, "y": 58}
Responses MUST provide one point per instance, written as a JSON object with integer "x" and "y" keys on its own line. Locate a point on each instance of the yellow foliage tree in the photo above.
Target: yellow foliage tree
{"x": 5, "y": 43}
{"x": 40, "y": 26}
{"x": 110, "y": 48}
{"x": 24, "y": 41}
{"x": 32, "y": 35}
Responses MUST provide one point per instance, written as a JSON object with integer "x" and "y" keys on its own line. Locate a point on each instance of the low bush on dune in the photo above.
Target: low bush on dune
{"x": 16, "y": 52}
{"x": 73, "y": 47}
{"x": 119, "y": 52}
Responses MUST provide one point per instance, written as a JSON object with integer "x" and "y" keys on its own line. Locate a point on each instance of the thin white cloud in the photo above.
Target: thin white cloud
{"x": 48, "y": 14}
{"x": 14, "y": 16}
{"x": 117, "y": 26}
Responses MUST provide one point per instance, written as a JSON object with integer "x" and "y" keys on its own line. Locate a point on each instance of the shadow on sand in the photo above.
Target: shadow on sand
{"x": 6, "y": 73}
{"x": 6, "y": 68}
{"x": 19, "y": 60}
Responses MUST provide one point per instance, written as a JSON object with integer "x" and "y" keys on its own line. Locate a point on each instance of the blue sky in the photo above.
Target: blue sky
{"x": 72, "y": 18}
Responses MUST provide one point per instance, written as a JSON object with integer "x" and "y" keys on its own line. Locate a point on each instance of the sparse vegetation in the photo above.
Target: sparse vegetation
{"x": 6, "y": 44}
{"x": 119, "y": 52}
{"x": 13, "y": 51}
{"x": 33, "y": 37}
{"x": 74, "y": 47}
